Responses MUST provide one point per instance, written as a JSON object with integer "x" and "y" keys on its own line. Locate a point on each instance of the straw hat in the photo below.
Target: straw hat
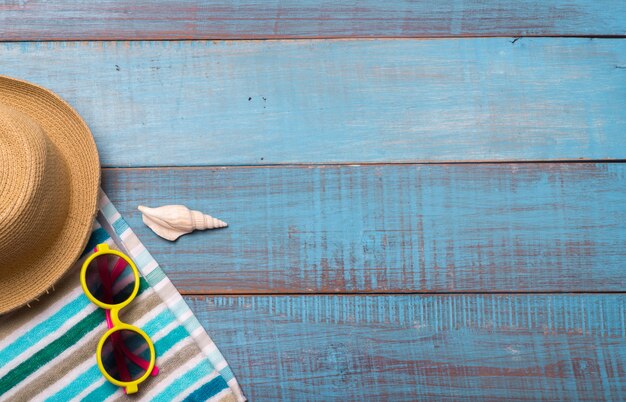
{"x": 49, "y": 180}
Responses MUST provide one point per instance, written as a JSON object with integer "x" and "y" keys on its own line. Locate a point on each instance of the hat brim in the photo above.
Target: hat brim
{"x": 67, "y": 130}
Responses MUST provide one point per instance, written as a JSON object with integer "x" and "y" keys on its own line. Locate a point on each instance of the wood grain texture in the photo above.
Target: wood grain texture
{"x": 271, "y": 102}
{"x": 407, "y": 348}
{"x": 262, "y": 19}
{"x": 389, "y": 228}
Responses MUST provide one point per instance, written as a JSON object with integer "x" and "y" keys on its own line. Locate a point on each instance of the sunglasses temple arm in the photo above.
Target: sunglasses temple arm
{"x": 119, "y": 358}
{"x": 118, "y": 269}
{"x": 144, "y": 364}
{"x": 103, "y": 270}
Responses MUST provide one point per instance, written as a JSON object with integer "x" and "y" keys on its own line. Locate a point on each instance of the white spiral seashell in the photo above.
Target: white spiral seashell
{"x": 172, "y": 221}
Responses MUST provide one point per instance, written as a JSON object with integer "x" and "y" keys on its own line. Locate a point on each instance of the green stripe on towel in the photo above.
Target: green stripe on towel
{"x": 97, "y": 236}
{"x": 51, "y": 351}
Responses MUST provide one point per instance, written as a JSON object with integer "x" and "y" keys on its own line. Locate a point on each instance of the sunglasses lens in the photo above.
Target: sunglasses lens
{"x": 125, "y": 355}
{"x": 110, "y": 279}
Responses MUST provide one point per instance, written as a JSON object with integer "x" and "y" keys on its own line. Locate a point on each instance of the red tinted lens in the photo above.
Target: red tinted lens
{"x": 110, "y": 279}
{"x": 125, "y": 355}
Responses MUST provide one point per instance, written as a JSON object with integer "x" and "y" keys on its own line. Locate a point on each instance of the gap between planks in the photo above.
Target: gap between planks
{"x": 356, "y": 164}
{"x": 407, "y": 293}
{"x": 307, "y": 38}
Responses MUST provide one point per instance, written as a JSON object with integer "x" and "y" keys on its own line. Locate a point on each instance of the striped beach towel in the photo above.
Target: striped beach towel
{"x": 47, "y": 350}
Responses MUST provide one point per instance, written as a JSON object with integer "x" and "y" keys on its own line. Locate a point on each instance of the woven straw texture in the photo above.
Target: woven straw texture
{"x": 49, "y": 180}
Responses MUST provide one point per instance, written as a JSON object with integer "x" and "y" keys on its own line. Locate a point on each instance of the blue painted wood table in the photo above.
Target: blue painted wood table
{"x": 425, "y": 200}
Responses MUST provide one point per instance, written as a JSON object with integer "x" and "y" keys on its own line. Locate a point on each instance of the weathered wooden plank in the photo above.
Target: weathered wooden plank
{"x": 406, "y": 348}
{"x": 389, "y": 228}
{"x": 223, "y": 103}
{"x": 256, "y": 19}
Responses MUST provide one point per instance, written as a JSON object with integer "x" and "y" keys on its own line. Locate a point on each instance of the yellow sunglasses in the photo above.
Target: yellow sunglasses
{"x": 125, "y": 354}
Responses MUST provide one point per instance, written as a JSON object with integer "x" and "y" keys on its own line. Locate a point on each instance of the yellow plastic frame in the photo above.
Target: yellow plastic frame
{"x": 130, "y": 386}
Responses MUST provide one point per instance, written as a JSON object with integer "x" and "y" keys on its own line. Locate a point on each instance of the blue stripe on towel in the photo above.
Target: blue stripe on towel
{"x": 41, "y": 330}
{"x": 185, "y": 381}
{"x": 213, "y": 387}
{"x": 120, "y": 226}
